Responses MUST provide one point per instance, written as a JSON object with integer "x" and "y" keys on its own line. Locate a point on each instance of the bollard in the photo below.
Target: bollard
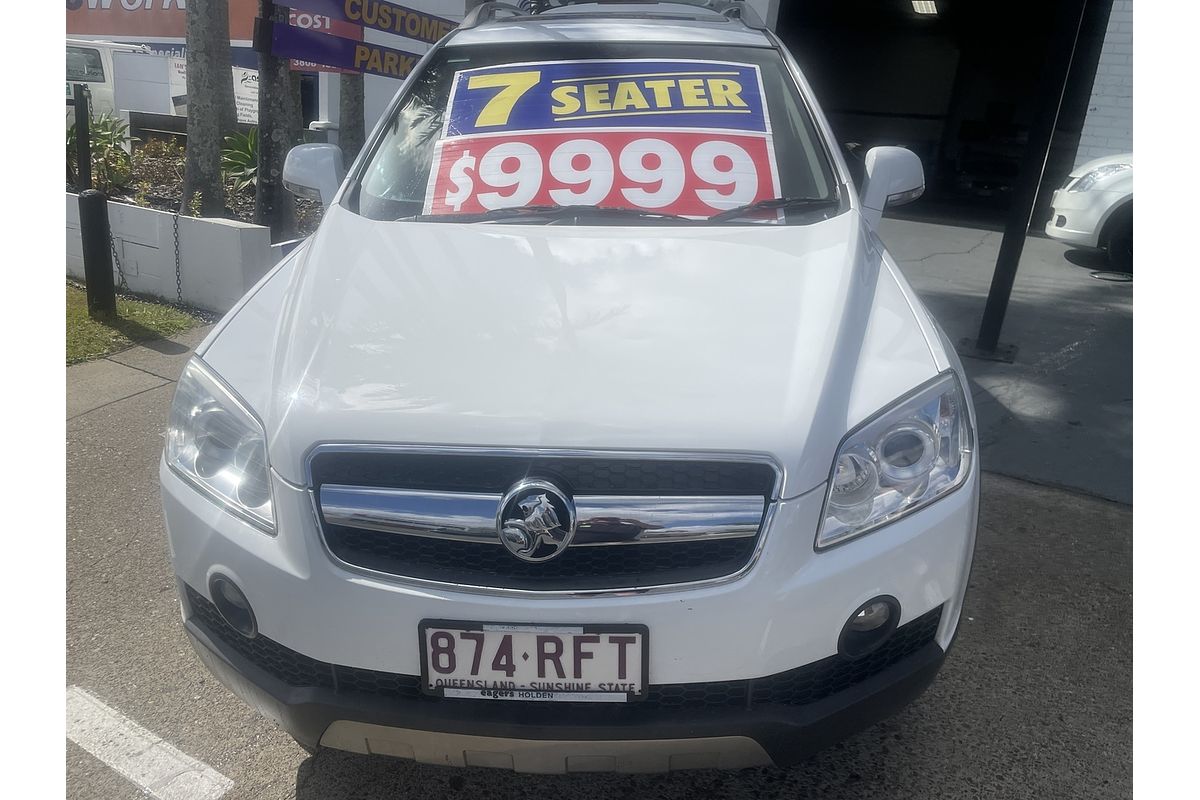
{"x": 83, "y": 137}
{"x": 97, "y": 256}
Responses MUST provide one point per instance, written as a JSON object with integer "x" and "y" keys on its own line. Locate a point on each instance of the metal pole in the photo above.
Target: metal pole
{"x": 1054, "y": 83}
{"x": 97, "y": 253}
{"x": 83, "y": 137}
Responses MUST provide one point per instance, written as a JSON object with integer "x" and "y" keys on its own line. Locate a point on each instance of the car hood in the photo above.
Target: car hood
{"x": 754, "y": 339}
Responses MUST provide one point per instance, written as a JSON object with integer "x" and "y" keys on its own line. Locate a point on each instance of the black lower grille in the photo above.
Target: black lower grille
{"x": 467, "y": 472}
{"x": 579, "y": 568}
{"x": 795, "y": 687}
{"x": 282, "y": 662}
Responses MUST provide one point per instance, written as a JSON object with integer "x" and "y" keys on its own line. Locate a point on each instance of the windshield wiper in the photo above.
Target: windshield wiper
{"x": 776, "y": 204}
{"x": 549, "y": 213}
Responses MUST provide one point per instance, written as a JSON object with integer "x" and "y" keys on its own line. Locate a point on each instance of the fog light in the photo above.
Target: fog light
{"x": 870, "y": 617}
{"x": 869, "y": 626}
{"x": 233, "y": 606}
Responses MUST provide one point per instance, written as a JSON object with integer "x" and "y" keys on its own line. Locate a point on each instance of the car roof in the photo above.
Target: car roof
{"x": 105, "y": 43}
{"x": 615, "y": 22}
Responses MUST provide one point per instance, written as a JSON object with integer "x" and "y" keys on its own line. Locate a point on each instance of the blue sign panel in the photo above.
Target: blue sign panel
{"x": 607, "y": 93}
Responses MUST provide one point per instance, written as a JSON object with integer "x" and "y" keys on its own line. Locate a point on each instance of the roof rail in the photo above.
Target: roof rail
{"x": 731, "y": 9}
{"x": 490, "y": 11}
{"x": 738, "y": 9}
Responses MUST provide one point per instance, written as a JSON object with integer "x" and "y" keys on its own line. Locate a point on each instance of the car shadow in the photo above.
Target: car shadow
{"x": 167, "y": 347}
{"x": 145, "y": 337}
{"x": 1088, "y": 259}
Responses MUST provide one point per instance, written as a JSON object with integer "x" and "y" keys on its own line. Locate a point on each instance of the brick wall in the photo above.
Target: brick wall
{"x": 1108, "y": 127}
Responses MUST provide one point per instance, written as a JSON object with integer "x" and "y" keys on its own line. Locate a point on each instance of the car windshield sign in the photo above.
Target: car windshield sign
{"x": 671, "y": 133}
{"x": 682, "y": 137}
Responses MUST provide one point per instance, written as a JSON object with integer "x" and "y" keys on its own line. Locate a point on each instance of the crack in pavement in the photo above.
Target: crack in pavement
{"x": 104, "y": 557}
{"x": 966, "y": 252}
{"x": 166, "y": 378}
{"x": 120, "y": 399}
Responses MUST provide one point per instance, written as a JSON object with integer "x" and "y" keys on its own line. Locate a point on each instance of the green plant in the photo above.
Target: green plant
{"x": 239, "y": 159}
{"x": 112, "y": 166}
{"x": 162, "y": 148}
{"x": 72, "y": 155}
{"x": 196, "y": 203}
{"x": 142, "y": 196}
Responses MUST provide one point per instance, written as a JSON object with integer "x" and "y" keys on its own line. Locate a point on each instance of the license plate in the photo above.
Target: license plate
{"x": 565, "y": 663}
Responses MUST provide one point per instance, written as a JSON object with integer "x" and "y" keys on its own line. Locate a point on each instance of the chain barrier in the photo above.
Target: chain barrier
{"x": 124, "y": 284}
{"x": 112, "y": 243}
{"x": 178, "y": 264}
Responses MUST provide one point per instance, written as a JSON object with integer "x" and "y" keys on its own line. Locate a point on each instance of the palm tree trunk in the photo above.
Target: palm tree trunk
{"x": 274, "y": 206}
{"x": 351, "y": 125}
{"x": 211, "y": 110}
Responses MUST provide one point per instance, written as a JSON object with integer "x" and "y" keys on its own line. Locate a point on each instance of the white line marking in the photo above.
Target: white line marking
{"x": 155, "y": 766}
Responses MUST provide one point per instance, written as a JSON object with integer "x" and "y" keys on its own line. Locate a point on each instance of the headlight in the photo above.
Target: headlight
{"x": 1099, "y": 173}
{"x": 217, "y": 444}
{"x": 904, "y": 458}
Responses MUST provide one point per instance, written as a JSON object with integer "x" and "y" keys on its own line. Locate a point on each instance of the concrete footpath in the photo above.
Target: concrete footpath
{"x": 1035, "y": 699}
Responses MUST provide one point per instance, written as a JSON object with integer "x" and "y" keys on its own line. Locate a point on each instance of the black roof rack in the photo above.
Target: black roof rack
{"x": 730, "y": 9}
{"x": 491, "y": 11}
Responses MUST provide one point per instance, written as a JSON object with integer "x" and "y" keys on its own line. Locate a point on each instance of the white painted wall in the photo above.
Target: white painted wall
{"x": 1108, "y": 126}
{"x": 220, "y": 259}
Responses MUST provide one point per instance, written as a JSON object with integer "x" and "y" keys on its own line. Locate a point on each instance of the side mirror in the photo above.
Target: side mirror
{"x": 314, "y": 171}
{"x": 893, "y": 177}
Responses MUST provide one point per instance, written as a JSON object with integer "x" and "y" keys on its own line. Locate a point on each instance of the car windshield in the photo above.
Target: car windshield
{"x": 599, "y": 133}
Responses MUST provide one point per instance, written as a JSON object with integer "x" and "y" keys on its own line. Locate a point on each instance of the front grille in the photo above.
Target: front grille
{"x": 579, "y": 568}
{"x": 458, "y": 472}
{"x": 796, "y": 687}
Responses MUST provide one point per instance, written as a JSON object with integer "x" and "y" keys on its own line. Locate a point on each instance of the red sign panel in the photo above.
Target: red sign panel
{"x": 689, "y": 173}
{"x": 690, "y": 138}
{"x": 151, "y": 19}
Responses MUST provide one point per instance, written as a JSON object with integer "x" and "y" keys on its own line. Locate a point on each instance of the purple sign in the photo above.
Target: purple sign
{"x": 379, "y": 15}
{"x": 288, "y": 41}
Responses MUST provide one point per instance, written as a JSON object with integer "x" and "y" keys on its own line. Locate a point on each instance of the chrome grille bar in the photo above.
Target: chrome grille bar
{"x": 438, "y": 515}
{"x": 639, "y": 520}
{"x": 603, "y": 520}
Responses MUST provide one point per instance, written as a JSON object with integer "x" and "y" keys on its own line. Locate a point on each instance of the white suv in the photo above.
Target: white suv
{"x": 594, "y": 429}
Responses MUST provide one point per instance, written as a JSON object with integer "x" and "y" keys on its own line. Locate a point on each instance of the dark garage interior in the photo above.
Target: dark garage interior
{"x": 959, "y": 82}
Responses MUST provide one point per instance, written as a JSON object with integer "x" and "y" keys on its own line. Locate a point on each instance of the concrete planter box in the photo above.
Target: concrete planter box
{"x": 220, "y": 259}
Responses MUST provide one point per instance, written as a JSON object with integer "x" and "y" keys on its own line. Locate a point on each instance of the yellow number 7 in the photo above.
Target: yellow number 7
{"x": 498, "y": 109}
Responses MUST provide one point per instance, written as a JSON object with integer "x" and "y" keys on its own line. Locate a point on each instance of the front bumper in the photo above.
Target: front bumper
{"x": 651, "y": 736}
{"x": 780, "y": 620}
{"x": 1078, "y": 217}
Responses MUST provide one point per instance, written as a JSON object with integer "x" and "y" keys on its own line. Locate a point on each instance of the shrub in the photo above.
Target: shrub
{"x": 239, "y": 160}
{"x": 112, "y": 167}
{"x": 162, "y": 148}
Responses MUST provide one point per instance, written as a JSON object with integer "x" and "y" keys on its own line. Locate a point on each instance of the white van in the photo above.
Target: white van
{"x": 91, "y": 62}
